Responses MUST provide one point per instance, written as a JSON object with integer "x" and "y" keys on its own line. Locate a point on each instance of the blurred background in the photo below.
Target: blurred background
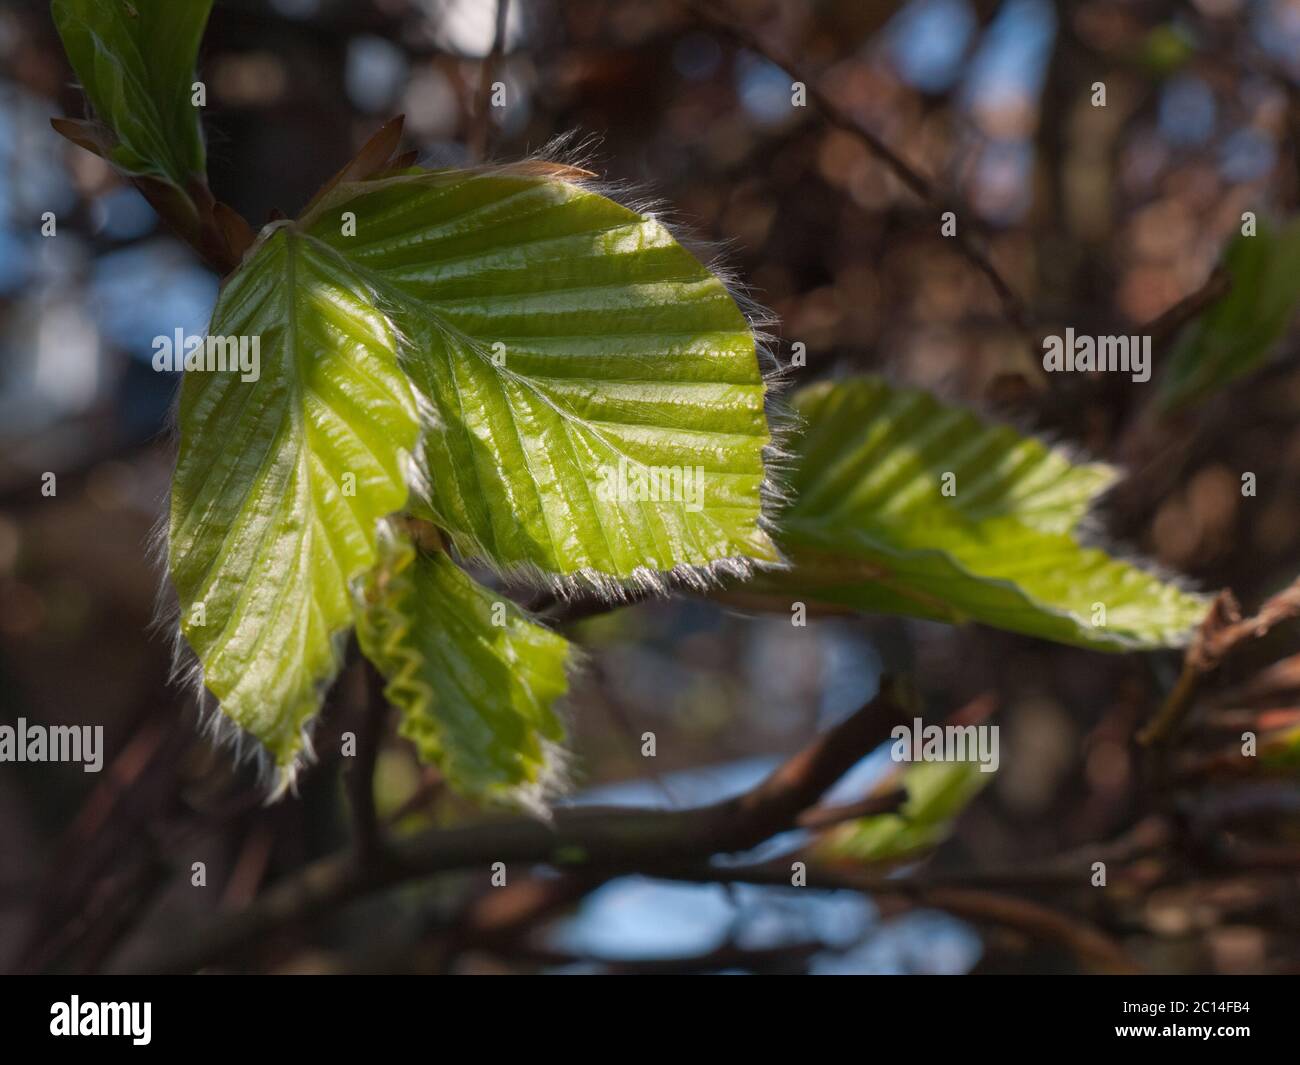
{"x": 1100, "y": 218}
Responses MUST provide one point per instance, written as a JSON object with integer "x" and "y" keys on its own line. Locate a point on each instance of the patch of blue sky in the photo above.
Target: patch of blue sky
{"x": 149, "y": 290}
{"x": 927, "y": 42}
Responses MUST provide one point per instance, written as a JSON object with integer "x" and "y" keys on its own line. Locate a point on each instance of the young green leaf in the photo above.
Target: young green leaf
{"x": 281, "y": 481}
{"x": 936, "y": 793}
{"x": 591, "y": 407}
{"x": 593, "y": 402}
{"x": 1239, "y": 332}
{"x": 904, "y": 505}
{"x": 135, "y": 59}
{"x": 475, "y": 680}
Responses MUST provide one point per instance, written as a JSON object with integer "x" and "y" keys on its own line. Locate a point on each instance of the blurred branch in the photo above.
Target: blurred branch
{"x": 871, "y": 806}
{"x": 361, "y": 773}
{"x": 594, "y": 839}
{"x": 430, "y": 787}
{"x": 481, "y": 133}
{"x": 980, "y": 906}
{"x": 498, "y": 918}
{"x": 1166, "y": 326}
{"x": 1222, "y": 631}
{"x": 108, "y": 833}
{"x": 921, "y": 186}
{"x": 216, "y": 231}
{"x": 1035, "y": 920}
{"x": 727, "y": 23}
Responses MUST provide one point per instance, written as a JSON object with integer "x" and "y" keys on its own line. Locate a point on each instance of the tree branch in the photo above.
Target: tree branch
{"x": 481, "y": 133}
{"x": 367, "y": 834}
{"x": 593, "y": 839}
{"x": 1166, "y": 326}
{"x": 911, "y": 178}
{"x": 980, "y": 906}
{"x": 1222, "y": 631}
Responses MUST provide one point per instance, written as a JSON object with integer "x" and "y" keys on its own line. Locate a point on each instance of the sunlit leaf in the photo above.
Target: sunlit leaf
{"x": 135, "y": 60}
{"x": 562, "y": 350}
{"x": 937, "y": 792}
{"x": 476, "y": 681}
{"x": 281, "y": 481}
{"x": 905, "y": 505}
{"x": 592, "y": 398}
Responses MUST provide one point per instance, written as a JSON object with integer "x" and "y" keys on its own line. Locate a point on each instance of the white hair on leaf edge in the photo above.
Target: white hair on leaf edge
{"x": 1089, "y": 531}
{"x": 186, "y": 673}
{"x": 568, "y": 152}
{"x": 575, "y": 156}
{"x": 555, "y": 770}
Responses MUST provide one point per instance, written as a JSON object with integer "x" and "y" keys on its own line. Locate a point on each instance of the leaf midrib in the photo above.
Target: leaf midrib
{"x": 400, "y": 295}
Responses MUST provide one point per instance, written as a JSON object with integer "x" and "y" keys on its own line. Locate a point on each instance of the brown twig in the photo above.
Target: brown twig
{"x": 219, "y": 236}
{"x": 502, "y": 915}
{"x": 1166, "y": 326}
{"x": 1087, "y": 943}
{"x": 981, "y": 905}
{"x": 593, "y": 839}
{"x": 367, "y": 834}
{"x": 1222, "y": 631}
{"x": 481, "y": 133}
{"x": 430, "y": 786}
{"x": 872, "y": 805}
{"x": 912, "y": 179}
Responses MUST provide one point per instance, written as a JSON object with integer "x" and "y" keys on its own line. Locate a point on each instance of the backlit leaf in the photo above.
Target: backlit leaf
{"x": 135, "y": 59}
{"x": 936, "y": 793}
{"x": 281, "y": 481}
{"x": 475, "y": 680}
{"x": 904, "y": 505}
{"x": 590, "y": 407}
{"x": 592, "y": 397}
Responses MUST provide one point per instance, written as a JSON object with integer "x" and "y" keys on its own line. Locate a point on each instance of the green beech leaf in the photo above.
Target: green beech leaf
{"x": 590, "y": 407}
{"x": 936, "y": 793}
{"x": 281, "y": 481}
{"x": 135, "y": 59}
{"x": 593, "y": 404}
{"x": 475, "y": 680}
{"x": 1241, "y": 330}
{"x": 872, "y": 529}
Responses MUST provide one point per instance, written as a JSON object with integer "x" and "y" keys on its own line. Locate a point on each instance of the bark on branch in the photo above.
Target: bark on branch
{"x": 593, "y": 839}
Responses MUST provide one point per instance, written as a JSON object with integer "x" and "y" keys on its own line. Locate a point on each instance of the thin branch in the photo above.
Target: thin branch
{"x": 1222, "y": 631}
{"x": 367, "y": 834}
{"x": 220, "y": 237}
{"x": 502, "y": 915}
{"x": 1086, "y": 942}
{"x": 430, "y": 786}
{"x": 1167, "y": 325}
{"x": 872, "y": 805}
{"x": 481, "y": 133}
{"x": 584, "y": 838}
{"x": 911, "y": 178}
{"x": 980, "y": 906}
